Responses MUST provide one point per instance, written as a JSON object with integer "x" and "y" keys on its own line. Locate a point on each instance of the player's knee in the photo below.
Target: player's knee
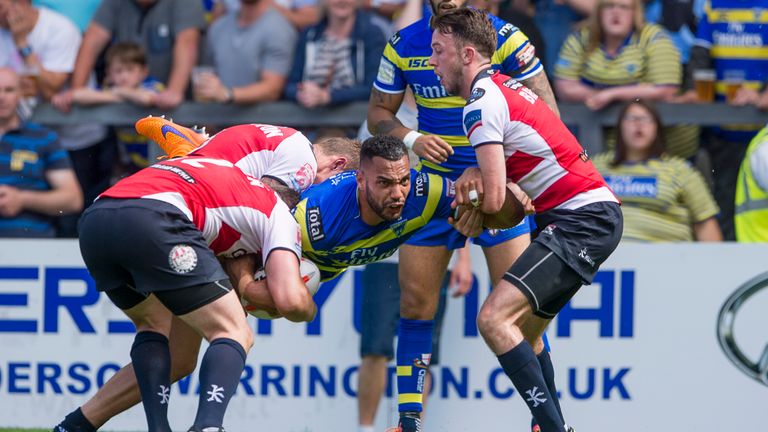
{"x": 488, "y": 319}
{"x": 416, "y": 302}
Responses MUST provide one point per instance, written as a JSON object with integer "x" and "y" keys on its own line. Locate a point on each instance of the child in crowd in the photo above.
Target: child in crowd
{"x": 127, "y": 80}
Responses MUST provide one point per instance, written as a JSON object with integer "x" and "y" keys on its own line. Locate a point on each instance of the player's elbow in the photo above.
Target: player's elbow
{"x": 298, "y": 305}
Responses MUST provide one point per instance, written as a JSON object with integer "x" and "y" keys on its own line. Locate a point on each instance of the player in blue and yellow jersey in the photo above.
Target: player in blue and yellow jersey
{"x": 359, "y": 217}
{"x": 444, "y": 150}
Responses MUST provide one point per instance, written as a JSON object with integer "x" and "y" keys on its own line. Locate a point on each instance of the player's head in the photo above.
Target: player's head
{"x": 10, "y": 94}
{"x": 463, "y": 42}
{"x": 640, "y": 133}
{"x": 286, "y": 193}
{"x": 440, "y": 7}
{"x": 335, "y": 155}
{"x": 126, "y": 65}
{"x": 384, "y": 177}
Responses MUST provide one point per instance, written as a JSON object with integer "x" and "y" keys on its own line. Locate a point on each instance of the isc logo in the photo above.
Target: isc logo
{"x": 419, "y": 63}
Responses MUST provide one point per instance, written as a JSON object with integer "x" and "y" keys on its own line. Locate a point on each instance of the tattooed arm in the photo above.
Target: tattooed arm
{"x": 540, "y": 85}
{"x": 382, "y": 108}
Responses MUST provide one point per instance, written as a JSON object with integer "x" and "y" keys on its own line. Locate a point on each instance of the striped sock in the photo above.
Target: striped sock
{"x": 414, "y": 351}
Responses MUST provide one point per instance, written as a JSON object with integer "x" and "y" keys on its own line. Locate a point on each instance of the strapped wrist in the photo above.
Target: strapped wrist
{"x": 410, "y": 139}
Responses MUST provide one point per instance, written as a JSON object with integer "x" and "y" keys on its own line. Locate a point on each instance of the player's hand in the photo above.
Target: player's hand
{"x": 241, "y": 270}
{"x": 432, "y": 148}
{"x": 10, "y": 201}
{"x": 523, "y": 197}
{"x": 469, "y": 222}
{"x": 63, "y": 101}
{"x": 470, "y": 180}
{"x": 461, "y": 274}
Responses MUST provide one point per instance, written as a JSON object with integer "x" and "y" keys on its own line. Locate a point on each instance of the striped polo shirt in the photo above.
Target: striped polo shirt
{"x": 661, "y": 198}
{"x": 26, "y": 156}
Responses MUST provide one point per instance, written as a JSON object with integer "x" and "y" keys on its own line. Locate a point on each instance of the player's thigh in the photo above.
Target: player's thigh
{"x": 421, "y": 271}
{"x": 505, "y": 304}
{"x": 380, "y": 309}
{"x": 545, "y": 279}
{"x": 501, "y": 256}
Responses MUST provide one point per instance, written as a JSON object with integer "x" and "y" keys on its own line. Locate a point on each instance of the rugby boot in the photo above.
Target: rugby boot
{"x": 410, "y": 422}
{"x": 175, "y": 139}
{"x": 207, "y": 429}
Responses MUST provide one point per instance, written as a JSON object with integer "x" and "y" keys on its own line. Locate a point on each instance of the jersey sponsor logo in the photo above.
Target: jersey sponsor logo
{"x": 429, "y": 92}
{"x": 420, "y": 185}
{"x": 522, "y": 90}
{"x": 386, "y": 74}
{"x": 182, "y": 258}
{"x": 419, "y": 63}
{"x": 473, "y": 120}
{"x": 506, "y": 30}
{"x": 477, "y": 93}
{"x": 526, "y": 55}
{"x": 315, "y": 224}
{"x": 632, "y": 186}
{"x": 584, "y": 156}
{"x": 176, "y": 170}
{"x": 450, "y": 188}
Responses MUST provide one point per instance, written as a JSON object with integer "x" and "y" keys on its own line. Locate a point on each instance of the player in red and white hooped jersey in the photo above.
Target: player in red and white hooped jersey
{"x": 150, "y": 234}
{"x": 517, "y": 137}
{"x": 260, "y": 150}
{"x": 235, "y": 213}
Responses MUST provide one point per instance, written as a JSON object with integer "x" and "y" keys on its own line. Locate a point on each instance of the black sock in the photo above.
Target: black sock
{"x": 76, "y": 422}
{"x": 522, "y": 367}
{"x": 220, "y": 372}
{"x": 549, "y": 377}
{"x": 151, "y": 359}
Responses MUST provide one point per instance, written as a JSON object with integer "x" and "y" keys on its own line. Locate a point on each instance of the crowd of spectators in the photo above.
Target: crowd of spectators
{"x": 320, "y": 53}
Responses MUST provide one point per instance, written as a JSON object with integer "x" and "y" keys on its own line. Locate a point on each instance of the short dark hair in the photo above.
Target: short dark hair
{"x": 384, "y": 146}
{"x": 126, "y": 53}
{"x": 289, "y": 195}
{"x": 468, "y": 26}
{"x": 658, "y": 146}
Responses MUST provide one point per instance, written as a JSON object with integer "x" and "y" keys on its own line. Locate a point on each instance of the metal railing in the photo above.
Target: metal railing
{"x": 588, "y": 124}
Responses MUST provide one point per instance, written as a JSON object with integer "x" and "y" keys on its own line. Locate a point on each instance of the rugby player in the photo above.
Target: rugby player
{"x": 172, "y": 219}
{"x": 517, "y": 137}
{"x": 444, "y": 150}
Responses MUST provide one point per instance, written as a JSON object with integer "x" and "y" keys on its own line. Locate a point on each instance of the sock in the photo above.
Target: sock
{"x": 362, "y": 428}
{"x": 522, "y": 367}
{"x": 151, "y": 359}
{"x": 548, "y": 371}
{"x": 220, "y": 372}
{"x": 414, "y": 351}
{"x": 75, "y": 422}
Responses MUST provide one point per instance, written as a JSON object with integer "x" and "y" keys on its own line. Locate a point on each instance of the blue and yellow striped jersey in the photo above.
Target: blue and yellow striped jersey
{"x": 405, "y": 63}
{"x": 334, "y": 236}
{"x": 736, "y": 34}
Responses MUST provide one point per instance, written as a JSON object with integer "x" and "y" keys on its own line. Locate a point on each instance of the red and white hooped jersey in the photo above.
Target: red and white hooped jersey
{"x": 235, "y": 212}
{"x": 542, "y": 156}
{"x": 265, "y": 150}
